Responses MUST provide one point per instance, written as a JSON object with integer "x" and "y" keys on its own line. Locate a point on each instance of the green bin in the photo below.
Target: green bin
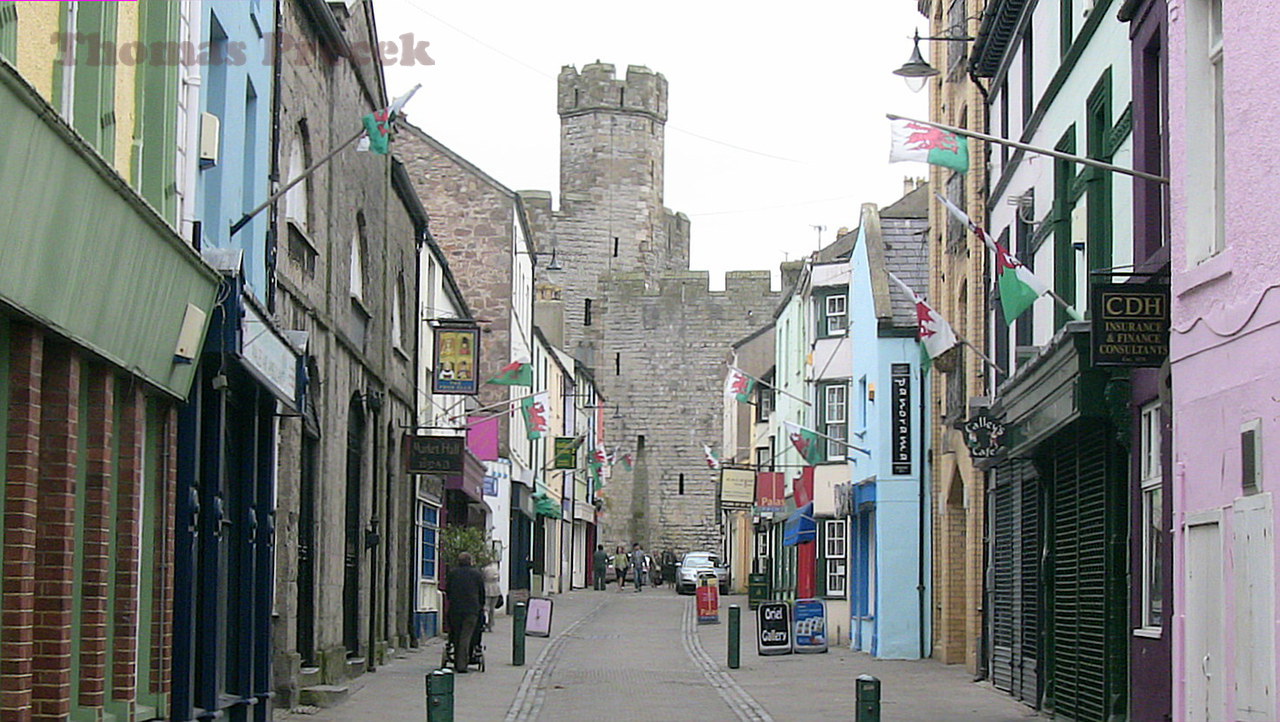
{"x": 757, "y": 589}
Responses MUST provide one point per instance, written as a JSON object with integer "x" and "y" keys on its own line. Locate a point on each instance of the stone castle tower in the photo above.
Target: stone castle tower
{"x": 654, "y": 333}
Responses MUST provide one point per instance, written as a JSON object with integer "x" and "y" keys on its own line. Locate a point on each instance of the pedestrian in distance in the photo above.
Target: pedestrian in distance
{"x": 639, "y": 560}
{"x": 620, "y": 563}
{"x": 599, "y": 563}
{"x": 492, "y": 593}
{"x": 464, "y": 588}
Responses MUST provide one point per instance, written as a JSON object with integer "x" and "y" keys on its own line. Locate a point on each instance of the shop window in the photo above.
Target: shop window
{"x": 1152, "y": 480}
{"x": 428, "y": 529}
{"x": 835, "y": 555}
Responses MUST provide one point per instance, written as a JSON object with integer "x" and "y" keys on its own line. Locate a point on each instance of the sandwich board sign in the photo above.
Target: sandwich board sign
{"x": 708, "y": 599}
{"x": 773, "y": 625}
{"x": 811, "y": 626}
{"x": 538, "y": 623}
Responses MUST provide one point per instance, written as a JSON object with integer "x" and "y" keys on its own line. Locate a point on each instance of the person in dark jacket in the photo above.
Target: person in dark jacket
{"x": 465, "y": 589}
{"x": 599, "y": 563}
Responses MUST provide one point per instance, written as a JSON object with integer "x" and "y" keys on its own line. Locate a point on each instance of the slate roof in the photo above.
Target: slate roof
{"x": 904, "y": 241}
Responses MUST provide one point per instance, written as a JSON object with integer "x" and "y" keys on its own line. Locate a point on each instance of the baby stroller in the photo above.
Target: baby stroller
{"x": 477, "y": 648}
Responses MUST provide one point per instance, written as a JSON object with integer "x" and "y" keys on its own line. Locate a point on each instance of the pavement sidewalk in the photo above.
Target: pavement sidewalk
{"x": 397, "y": 691}
{"x": 821, "y": 686}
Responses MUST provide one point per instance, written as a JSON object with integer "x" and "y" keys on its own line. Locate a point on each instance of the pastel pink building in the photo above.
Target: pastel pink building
{"x": 1225, "y": 347}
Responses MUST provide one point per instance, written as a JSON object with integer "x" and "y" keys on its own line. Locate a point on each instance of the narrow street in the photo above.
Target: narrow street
{"x": 643, "y": 657}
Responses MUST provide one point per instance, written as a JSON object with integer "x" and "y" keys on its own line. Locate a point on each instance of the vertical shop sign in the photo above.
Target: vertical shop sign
{"x": 900, "y": 410}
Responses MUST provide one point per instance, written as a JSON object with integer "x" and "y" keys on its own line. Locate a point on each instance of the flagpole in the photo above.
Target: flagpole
{"x": 842, "y": 442}
{"x": 244, "y": 221}
{"x": 494, "y": 406}
{"x": 1063, "y": 302}
{"x": 981, "y": 355}
{"x": 991, "y": 244}
{"x": 1036, "y": 149}
{"x": 766, "y": 383}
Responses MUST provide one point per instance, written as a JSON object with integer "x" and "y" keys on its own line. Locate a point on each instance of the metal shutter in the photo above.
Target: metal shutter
{"x": 1015, "y": 584}
{"x": 1086, "y": 609}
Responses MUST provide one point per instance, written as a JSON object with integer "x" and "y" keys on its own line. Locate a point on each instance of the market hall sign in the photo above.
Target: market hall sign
{"x": 434, "y": 454}
{"x": 900, "y": 408}
{"x": 1130, "y": 324}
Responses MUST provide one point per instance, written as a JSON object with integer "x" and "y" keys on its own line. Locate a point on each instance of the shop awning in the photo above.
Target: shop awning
{"x": 544, "y": 505}
{"x": 800, "y": 527}
{"x": 471, "y": 480}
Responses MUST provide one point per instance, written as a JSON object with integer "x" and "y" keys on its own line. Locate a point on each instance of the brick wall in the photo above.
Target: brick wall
{"x": 46, "y": 424}
{"x": 55, "y": 530}
{"x": 124, "y": 678}
{"x": 17, "y": 606}
{"x": 96, "y": 544}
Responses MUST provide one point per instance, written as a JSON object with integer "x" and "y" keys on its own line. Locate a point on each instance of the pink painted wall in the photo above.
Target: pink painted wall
{"x": 1225, "y": 349}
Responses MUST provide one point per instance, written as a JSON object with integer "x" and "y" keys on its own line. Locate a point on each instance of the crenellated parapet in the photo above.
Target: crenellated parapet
{"x": 597, "y": 87}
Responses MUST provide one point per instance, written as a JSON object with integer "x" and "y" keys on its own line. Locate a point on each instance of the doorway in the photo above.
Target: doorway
{"x": 352, "y": 546}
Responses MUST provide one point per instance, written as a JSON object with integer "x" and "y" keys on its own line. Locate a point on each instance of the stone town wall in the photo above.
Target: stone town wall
{"x": 662, "y": 347}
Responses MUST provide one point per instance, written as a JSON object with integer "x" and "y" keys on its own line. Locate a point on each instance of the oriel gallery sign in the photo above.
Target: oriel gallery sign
{"x": 1130, "y": 324}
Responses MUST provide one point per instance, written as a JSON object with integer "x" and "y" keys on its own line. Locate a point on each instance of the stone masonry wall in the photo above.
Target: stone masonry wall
{"x": 663, "y": 351}
{"x": 655, "y": 334}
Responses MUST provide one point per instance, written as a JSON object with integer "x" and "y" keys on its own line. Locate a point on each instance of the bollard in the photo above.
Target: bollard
{"x": 440, "y": 696}
{"x": 868, "y": 696}
{"x": 517, "y": 631}
{"x": 735, "y": 631}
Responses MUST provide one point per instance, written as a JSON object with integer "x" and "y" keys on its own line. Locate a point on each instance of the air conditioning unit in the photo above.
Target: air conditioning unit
{"x": 210, "y": 130}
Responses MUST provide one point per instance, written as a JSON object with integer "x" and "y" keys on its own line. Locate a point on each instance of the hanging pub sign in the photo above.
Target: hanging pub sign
{"x": 1130, "y": 324}
{"x": 433, "y": 454}
{"x": 566, "y": 452}
{"x": 983, "y": 435}
{"x": 900, "y": 417}
{"x": 455, "y": 359}
{"x": 737, "y": 487}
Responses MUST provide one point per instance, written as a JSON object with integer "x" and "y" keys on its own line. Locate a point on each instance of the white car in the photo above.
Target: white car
{"x": 695, "y": 563}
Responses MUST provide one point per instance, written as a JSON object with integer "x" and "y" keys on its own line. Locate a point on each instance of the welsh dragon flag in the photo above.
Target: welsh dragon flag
{"x": 516, "y": 373}
{"x": 535, "y": 410}
{"x": 378, "y": 125}
{"x": 805, "y": 441}
{"x": 921, "y": 142}
{"x": 935, "y": 334}
{"x": 627, "y": 461}
{"x": 712, "y": 461}
{"x": 739, "y": 385}
{"x": 1019, "y": 287}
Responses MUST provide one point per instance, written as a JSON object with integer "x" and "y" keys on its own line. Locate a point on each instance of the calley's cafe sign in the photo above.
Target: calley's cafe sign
{"x": 1130, "y": 324}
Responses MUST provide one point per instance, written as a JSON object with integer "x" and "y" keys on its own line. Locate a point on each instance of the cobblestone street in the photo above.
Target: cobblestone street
{"x": 643, "y": 657}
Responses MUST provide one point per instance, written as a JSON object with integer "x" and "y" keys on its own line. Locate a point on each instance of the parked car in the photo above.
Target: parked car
{"x": 695, "y": 563}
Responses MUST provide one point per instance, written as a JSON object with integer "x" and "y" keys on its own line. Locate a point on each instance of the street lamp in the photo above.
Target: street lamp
{"x": 916, "y": 70}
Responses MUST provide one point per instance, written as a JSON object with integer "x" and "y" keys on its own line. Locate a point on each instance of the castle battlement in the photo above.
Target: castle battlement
{"x": 737, "y": 285}
{"x": 597, "y": 87}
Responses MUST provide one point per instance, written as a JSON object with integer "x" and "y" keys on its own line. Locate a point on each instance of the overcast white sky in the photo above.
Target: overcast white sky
{"x": 802, "y": 86}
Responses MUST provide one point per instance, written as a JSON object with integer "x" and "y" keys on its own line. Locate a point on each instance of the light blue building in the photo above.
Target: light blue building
{"x": 889, "y": 559}
{"x": 249, "y": 373}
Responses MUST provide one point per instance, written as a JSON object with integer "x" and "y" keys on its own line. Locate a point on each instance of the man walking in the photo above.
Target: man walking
{"x": 599, "y": 563}
{"x": 464, "y": 587}
{"x": 638, "y": 559}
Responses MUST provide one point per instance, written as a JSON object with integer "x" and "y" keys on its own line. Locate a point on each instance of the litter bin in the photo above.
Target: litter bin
{"x": 757, "y": 589}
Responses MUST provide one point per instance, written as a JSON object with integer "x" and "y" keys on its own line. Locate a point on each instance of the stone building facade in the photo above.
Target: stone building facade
{"x": 655, "y": 333}
{"x": 345, "y": 272}
{"x": 958, "y": 261}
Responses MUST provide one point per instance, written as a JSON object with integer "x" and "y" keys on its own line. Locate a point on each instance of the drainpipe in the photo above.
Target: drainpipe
{"x": 190, "y": 171}
{"x": 920, "y": 514}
